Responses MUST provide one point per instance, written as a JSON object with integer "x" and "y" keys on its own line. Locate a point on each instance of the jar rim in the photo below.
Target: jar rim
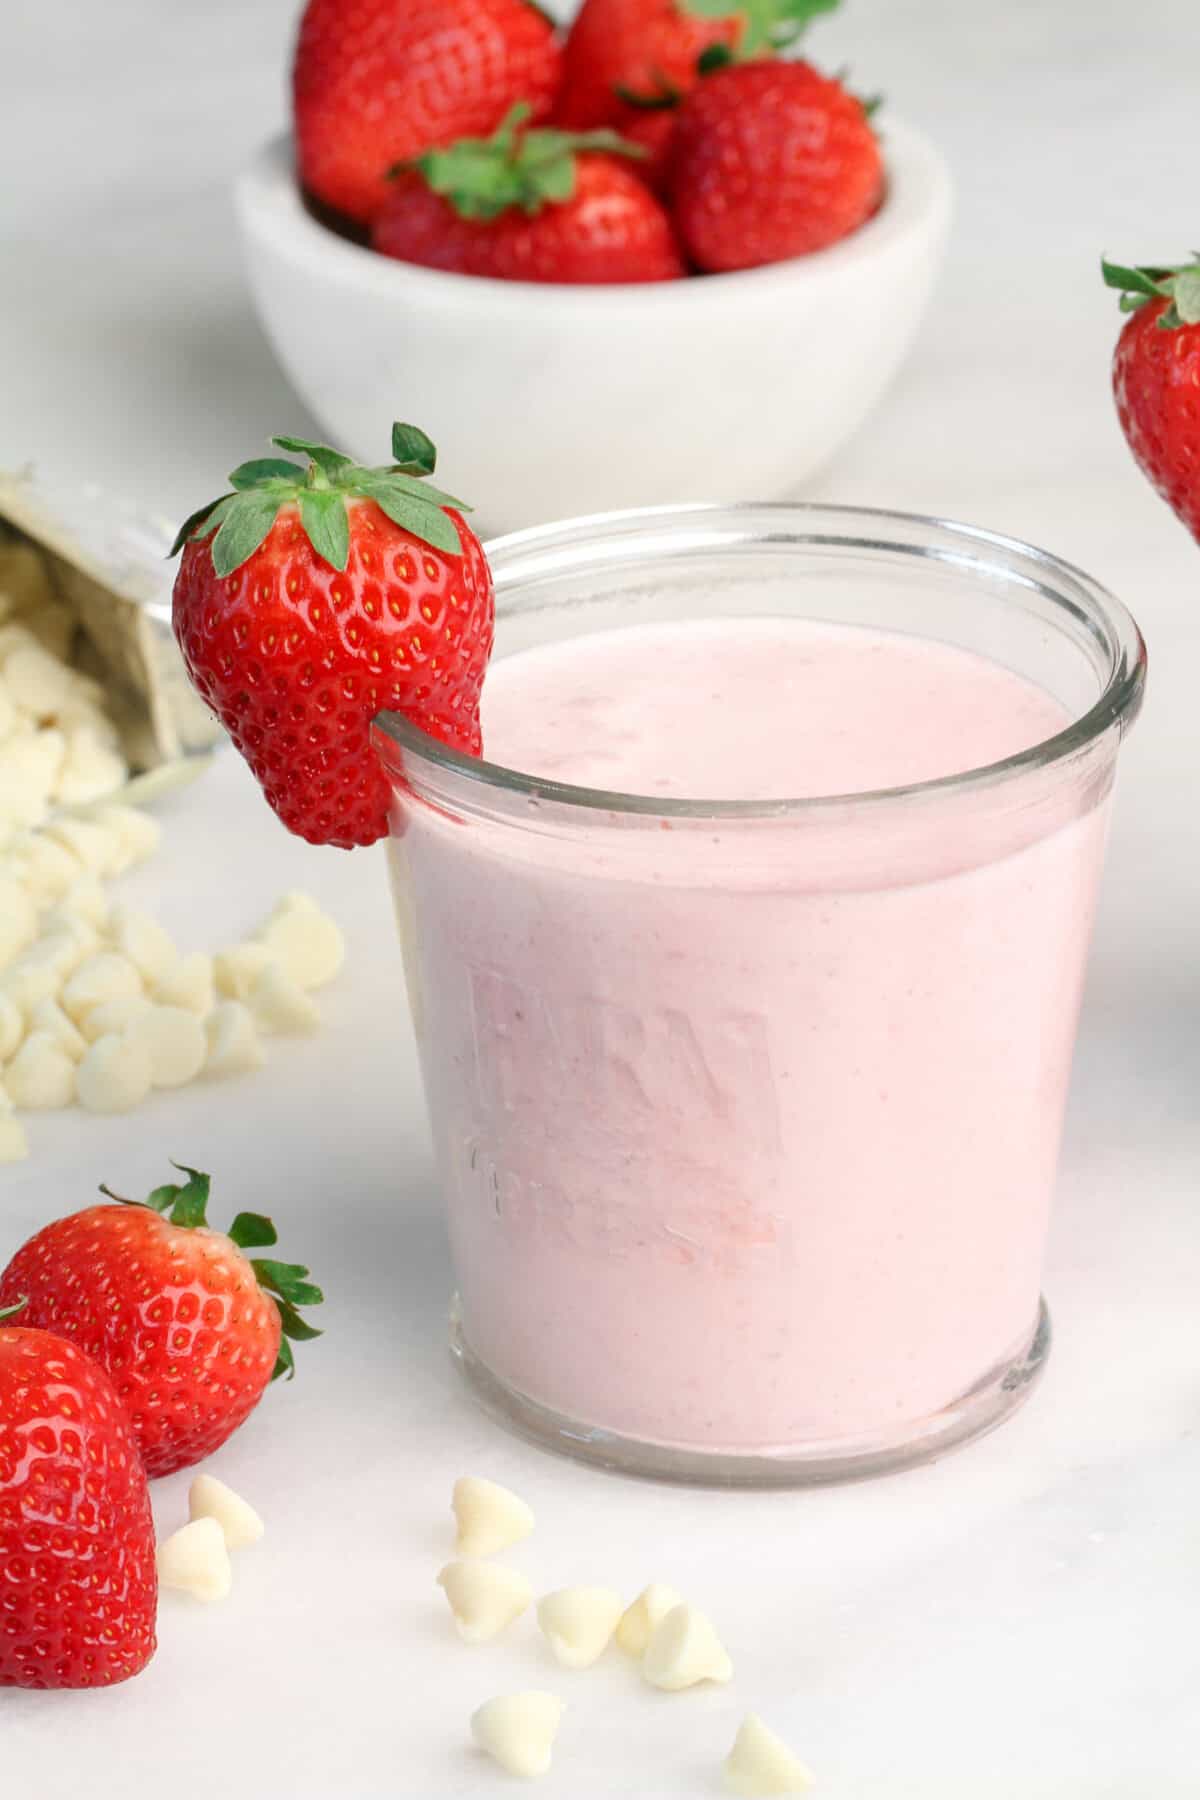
{"x": 644, "y": 532}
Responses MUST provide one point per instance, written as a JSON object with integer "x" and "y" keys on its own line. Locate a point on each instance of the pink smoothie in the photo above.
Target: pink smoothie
{"x": 748, "y": 1127}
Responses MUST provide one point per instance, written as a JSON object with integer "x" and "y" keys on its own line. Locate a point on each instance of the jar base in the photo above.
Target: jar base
{"x": 985, "y": 1405}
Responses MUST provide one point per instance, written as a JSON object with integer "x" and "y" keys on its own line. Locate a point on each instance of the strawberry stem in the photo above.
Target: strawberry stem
{"x": 766, "y": 24}
{"x": 1178, "y": 284}
{"x": 482, "y": 178}
{"x": 239, "y": 522}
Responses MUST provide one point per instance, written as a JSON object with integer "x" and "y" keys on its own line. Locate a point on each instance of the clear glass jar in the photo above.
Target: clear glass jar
{"x": 747, "y": 1113}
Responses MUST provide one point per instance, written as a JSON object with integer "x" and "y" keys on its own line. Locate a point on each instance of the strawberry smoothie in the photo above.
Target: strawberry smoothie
{"x": 748, "y": 1124}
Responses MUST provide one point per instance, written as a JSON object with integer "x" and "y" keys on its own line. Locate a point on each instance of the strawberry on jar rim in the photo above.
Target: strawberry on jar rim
{"x": 771, "y": 160}
{"x": 622, "y": 55}
{"x": 189, "y": 1330}
{"x": 78, "y": 1586}
{"x": 314, "y": 597}
{"x": 384, "y": 80}
{"x": 1156, "y": 378}
{"x": 521, "y": 205}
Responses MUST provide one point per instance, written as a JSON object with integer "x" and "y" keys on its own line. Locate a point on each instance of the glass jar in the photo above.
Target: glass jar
{"x": 747, "y": 1113}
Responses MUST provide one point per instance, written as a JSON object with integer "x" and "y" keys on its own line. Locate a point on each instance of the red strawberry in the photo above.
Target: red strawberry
{"x": 1156, "y": 379}
{"x": 78, "y": 1587}
{"x": 380, "y": 81}
{"x": 179, "y": 1318}
{"x": 530, "y": 206}
{"x": 770, "y": 161}
{"x": 652, "y": 129}
{"x": 623, "y": 52}
{"x": 328, "y": 595}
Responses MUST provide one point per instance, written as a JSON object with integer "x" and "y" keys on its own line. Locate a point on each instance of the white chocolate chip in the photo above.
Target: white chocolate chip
{"x": 37, "y": 681}
{"x": 174, "y": 1041}
{"x": 235, "y": 971}
{"x": 14, "y": 1145}
{"x": 41, "y": 1076}
{"x": 761, "y": 1763}
{"x": 490, "y": 1517}
{"x": 518, "y": 1730}
{"x": 136, "y": 833}
{"x": 12, "y": 1026}
{"x": 36, "y": 975}
{"x": 304, "y": 940}
{"x": 638, "y": 1621}
{"x": 484, "y": 1597}
{"x": 92, "y": 842}
{"x": 87, "y": 900}
{"x": 90, "y": 770}
{"x": 104, "y": 976}
{"x": 196, "y": 1561}
{"x": 279, "y": 1004}
{"x": 114, "y": 1075}
{"x": 18, "y": 919}
{"x": 233, "y": 1046}
{"x": 294, "y": 901}
{"x": 143, "y": 941}
{"x": 240, "y": 1525}
{"x": 48, "y": 1016}
{"x": 29, "y": 767}
{"x": 684, "y": 1648}
{"x": 189, "y": 984}
{"x": 578, "y": 1623}
{"x": 67, "y": 939}
{"x": 113, "y": 1016}
{"x": 47, "y": 867}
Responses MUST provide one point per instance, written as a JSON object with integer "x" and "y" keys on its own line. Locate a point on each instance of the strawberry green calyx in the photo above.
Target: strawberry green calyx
{"x": 484, "y": 177}
{"x": 1179, "y": 284}
{"x": 769, "y": 24}
{"x": 242, "y": 520}
{"x": 10, "y": 1312}
{"x": 186, "y": 1204}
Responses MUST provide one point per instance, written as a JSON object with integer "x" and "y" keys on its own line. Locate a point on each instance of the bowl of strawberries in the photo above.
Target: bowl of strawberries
{"x": 656, "y": 257}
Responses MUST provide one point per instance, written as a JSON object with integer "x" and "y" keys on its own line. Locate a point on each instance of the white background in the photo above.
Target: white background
{"x": 1016, "y": 1621}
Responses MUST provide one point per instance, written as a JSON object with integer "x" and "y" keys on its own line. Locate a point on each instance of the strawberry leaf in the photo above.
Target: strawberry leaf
{"x": 10, "y": 1312}
{"x": 191, "y": 1199}
{"x": 194, "y": 521}
{"x": 251, "y": 1231}
{"x": 716, "y": 56}
{"x": 240, "y": 522}
{"x": 768, "y": 24}
{"x": 1177, "y": 283}
{"x": 326, "y": 525}
{"x": 485, "y": 177}
{"x": 413, "y": 451}
{"x": 246, "y": 525}
{"x": 294, "y": 1327}
{"x": 1186, "y": 289}
{"x": 285, "y": 1362}
{"x": 265, "y": 468}
{"x": 425, "y": 521}
{"x": 288, "y": 1280}
{"x": 330, "y": 462}
{"x": 1134, "y": 281}
{"x": 367, "y": 480}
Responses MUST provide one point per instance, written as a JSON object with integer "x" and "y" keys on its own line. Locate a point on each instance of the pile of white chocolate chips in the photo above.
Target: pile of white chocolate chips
{"x": 98, "y": 1006}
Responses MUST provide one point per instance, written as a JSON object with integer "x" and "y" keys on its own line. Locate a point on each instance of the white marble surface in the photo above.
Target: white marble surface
{"x": 1018, "y": 1620}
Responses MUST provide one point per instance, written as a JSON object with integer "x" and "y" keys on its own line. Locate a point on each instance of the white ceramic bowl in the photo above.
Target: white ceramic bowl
{"x": 550, "y": 401}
